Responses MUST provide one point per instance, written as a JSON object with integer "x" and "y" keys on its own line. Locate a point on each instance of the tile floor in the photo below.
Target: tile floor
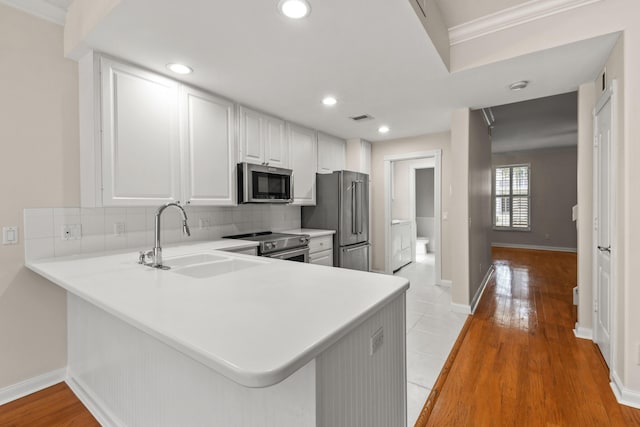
{"x": 432, "y": 329}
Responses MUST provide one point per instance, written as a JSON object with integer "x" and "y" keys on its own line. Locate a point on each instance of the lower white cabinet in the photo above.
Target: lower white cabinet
{"x": 321, "y": 250}
{"x": 303, "y": 146}
{"x": 401, "y": 253}
{"x": 245, "y": 251}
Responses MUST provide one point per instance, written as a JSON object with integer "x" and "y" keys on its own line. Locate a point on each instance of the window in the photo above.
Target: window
{"x": 511, "y": 197}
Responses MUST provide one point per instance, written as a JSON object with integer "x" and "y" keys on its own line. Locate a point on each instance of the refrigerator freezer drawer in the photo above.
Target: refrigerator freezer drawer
{"x": 354, "y": 257}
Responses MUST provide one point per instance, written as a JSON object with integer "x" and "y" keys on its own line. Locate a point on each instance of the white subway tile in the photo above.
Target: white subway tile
{"x": 92, "y": 243}
{"x": 38, "y": 225}
{"x": 67, "y": 247}
{"x": 39, "y": 248}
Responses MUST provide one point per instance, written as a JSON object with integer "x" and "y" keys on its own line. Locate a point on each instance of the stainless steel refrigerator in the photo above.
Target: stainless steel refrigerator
{"x": 342, "y": 204}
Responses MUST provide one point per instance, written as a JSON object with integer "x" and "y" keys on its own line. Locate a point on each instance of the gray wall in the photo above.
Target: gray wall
{"x": 553, "y": 193}
{"x": 425, "y": 205}
{"x": 424, "y": 192}
{"x": 479, "y": 203}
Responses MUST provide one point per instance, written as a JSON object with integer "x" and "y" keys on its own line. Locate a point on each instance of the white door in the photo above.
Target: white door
{"x": 140, "y": 140}
{"x": 303, "y": 146}
{"x": 603, "y": 209}
{"x": 208, "y": 139}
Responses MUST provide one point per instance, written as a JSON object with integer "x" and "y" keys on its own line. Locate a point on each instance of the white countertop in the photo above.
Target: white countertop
{"x": 255, "y": 326}
{"x": 313, "y": 232}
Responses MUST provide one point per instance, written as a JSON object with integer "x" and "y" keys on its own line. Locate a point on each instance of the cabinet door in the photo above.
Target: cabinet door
{"x": 303, "y": 147}
{"x": 275, "y": 142}
{"x": 140, "y": 137}
{"x": 208, "y": 144}
{"x": 251, "y": 136}
{"x": 331, "y": 153}
{"x": 322, "y": 258}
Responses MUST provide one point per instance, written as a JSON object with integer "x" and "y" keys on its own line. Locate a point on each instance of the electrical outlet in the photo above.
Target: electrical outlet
{"x": 547, "y": 236}
{"x": 376, "y": 341}
{"x": 119, "y": 228}
{"x": 204, "y": 223}
{"x": 71, "y": 232}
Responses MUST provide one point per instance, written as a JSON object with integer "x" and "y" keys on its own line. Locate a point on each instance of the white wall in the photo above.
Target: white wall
{"x": 39, "y": 134}
{"x": 425, "y": 200}
{"x": 404, "y": 146}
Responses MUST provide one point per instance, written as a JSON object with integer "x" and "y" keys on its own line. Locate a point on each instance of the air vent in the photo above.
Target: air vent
{"x": 361, "y": 117}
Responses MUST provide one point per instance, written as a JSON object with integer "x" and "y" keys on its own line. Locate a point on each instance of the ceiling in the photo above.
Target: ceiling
{"x": 372, "y": 55}
{"x": 540, "y": 123}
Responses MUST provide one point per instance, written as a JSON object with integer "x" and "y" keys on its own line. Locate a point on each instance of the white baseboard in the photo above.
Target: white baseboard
{"x": 624, "y": 395}
{"x": 483, "y": 286}
{"x": 93, "y": 405}
{"x": 460, "y": 308}
{"x": 584, "y": 333}
{"x": 534, "y": 247}
{"x": 445, "y": 283}
{"x": 26, "y": 387}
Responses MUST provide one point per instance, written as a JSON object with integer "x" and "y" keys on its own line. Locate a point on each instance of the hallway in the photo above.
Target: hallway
{"x": 520, "y": 363}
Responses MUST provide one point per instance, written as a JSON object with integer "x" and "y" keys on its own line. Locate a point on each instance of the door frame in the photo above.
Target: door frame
{"x": 437, "y": 174}
{"x": 428, "y": 164}
{"x": 610, "y": 95}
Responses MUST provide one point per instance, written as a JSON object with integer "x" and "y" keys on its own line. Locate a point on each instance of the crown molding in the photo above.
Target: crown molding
{"x": 40, "y": 8}
{"x": 510, "y": 17}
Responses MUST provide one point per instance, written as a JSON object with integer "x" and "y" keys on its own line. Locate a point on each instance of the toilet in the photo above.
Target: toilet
{"x": 422, "y": 245}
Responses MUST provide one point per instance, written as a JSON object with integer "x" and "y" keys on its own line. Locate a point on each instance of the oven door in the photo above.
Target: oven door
{"x": 297, "y": 254}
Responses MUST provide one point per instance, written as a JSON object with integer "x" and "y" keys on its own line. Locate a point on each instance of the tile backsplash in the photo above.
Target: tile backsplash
{"x": 107, "y": 229}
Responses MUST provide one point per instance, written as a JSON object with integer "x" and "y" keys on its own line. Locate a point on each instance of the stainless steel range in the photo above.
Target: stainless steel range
{"x": 292, "y": 247}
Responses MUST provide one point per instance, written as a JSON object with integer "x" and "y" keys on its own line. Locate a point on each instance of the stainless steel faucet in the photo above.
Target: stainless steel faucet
{"x": 156, "y": 252}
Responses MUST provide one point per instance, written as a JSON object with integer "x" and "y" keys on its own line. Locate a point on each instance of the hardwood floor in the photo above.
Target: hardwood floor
{"x": 519, "y": 362}
{"x": 53, "y": 406}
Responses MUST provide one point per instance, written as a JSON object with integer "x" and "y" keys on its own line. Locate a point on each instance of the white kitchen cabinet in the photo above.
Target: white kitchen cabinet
{"x": 401, "y": 253}
{"x": 146, "y": 140}
{"x": 140, "y": 137}
{"x": 303, "y": 145}
{"x": 331, "y": 153}
{"x": 262, "y": 139}
{"x": 208, "y": 148}
{"x": 321, "y": 250}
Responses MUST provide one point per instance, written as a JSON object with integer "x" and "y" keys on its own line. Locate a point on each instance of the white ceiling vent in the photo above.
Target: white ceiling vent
{"x": 361, "y": 117}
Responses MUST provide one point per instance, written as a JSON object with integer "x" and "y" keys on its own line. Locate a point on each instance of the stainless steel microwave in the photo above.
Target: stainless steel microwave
{"x": 264, "y": 184}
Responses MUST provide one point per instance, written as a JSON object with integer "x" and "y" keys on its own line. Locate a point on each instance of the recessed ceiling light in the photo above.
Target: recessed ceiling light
{"x": 519, "y": 85}
{"x": 294, "y": 9}
{"x": 383, "y": 129}
{"x": 329, "y": 101}
{"x": 180, "y": 68}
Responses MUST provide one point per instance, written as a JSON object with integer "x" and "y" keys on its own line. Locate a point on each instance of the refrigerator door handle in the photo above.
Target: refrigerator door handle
{"x": 360, "y": 210}
{"x": 354, "y": 207}
{"x": 357, "y": 248}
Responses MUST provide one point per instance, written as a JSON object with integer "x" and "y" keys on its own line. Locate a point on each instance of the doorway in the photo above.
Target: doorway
{"x": 405, "y": 192}
{"x": 422, "y": 211}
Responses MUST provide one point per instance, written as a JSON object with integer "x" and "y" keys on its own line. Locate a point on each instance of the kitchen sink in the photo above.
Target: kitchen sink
{"x": 202, "y": 266}
{"x": 192, "y": 259}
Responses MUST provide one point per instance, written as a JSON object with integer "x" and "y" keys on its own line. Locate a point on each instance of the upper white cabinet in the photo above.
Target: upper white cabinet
{"x": 303, "y": 147}
{"x": 331, "y": 153}
{"x": 262, "y": 139}
{"x": 208, "y": 148}
{"x": 146, "y": 140}
{"x": 140, "y": 137}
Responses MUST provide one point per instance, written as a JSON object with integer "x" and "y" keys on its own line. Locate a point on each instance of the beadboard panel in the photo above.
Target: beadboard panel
{"x": 137, "y": 380}
{"x": 355, "y": 388}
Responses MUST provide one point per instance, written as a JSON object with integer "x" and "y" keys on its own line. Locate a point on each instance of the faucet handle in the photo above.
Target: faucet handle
{"x": 144, "y": 256}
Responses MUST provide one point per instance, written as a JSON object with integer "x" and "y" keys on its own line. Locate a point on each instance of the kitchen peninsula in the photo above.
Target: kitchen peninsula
{"x": 229, "y": 339}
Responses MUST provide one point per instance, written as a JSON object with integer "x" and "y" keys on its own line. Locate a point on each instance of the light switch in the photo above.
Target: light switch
{"x": 10, "y": 235}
